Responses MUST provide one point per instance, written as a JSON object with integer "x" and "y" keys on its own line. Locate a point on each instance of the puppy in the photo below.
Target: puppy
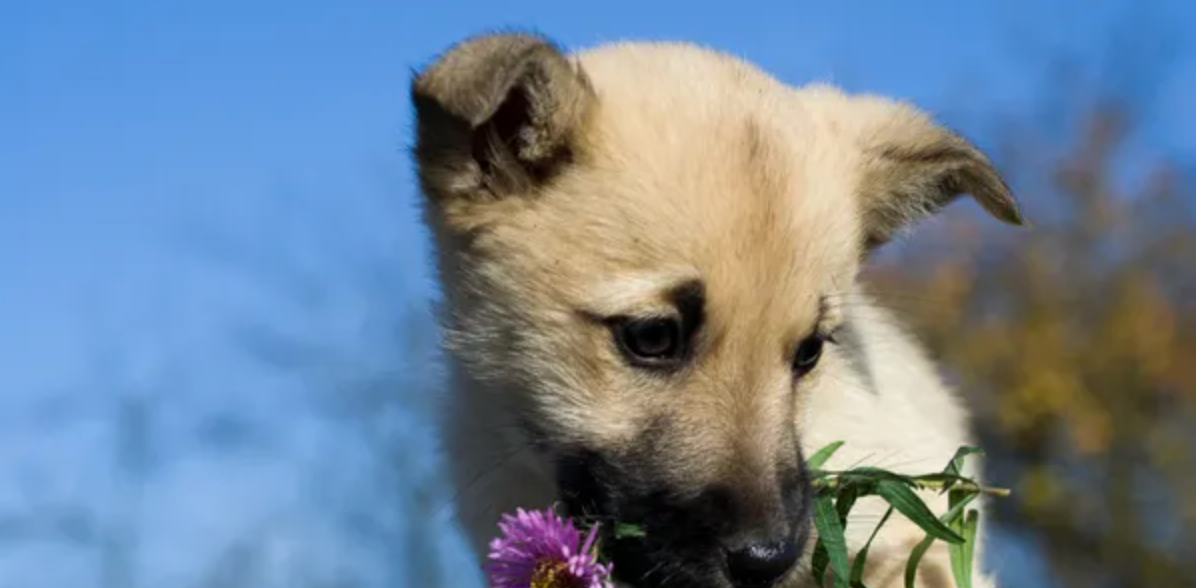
{"x": 649, "y": 255}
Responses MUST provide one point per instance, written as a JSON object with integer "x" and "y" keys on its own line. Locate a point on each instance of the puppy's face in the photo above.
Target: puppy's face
{"x": 645, "y": 248}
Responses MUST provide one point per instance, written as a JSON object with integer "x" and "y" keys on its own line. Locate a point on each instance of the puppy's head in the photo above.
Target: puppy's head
{"x": 644, "y": 249}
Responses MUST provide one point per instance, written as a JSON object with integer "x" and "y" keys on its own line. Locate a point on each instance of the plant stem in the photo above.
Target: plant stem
{"x": 831, "y": 482}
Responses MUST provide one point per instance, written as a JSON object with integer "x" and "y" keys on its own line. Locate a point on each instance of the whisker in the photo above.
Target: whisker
{"x": 654, "y": 569}
{"x": 489, "y": 469}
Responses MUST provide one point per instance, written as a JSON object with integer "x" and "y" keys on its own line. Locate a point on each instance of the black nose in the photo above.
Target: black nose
{"x": 760, "y": 565}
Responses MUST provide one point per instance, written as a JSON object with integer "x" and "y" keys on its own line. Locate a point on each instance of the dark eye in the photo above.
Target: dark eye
{"x": 808, "y": 353}
{"x": 652, "y": 341}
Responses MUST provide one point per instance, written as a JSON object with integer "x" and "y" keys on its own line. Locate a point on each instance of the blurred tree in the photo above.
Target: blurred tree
{"x": 1076, "y": 340}
{"x": 346, "y": 322}
{"x": 103, "y": 527}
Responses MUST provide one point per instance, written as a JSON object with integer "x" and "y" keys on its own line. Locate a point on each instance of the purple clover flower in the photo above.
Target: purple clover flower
{"x": 539, "y": 549}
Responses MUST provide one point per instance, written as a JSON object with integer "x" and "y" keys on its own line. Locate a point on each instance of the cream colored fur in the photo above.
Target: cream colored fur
{"x": 691, "y": 163}
{"x": 914, "y": 425}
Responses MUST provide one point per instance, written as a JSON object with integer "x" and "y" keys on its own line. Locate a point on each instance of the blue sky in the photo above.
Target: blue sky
{"x": 171, "y": 172}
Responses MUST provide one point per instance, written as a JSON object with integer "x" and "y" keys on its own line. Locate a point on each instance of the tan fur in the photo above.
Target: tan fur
{"x": 684, "y": 163}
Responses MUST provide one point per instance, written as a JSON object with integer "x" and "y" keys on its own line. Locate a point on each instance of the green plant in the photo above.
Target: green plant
{"x": 838, "y": 491}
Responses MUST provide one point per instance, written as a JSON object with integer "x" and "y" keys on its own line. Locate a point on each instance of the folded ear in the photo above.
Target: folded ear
{"x": 913, "y": 167}
{"x": 496, "y": 115}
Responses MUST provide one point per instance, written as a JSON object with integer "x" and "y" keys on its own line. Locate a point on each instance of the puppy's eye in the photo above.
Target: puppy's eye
{"x": 650, "y": 341}
{"x": 808, "y": 353}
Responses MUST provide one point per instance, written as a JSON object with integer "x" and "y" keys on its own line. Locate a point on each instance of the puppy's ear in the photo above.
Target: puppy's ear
{"x": 913, "y": 167}
{"x": 497, "y": 115}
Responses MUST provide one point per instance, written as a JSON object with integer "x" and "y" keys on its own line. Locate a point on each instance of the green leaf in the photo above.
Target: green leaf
{"x": 868, "y": 473}
{"x": 957, "y": 500}
{"x": 908, "y": 504}
{"x": 830, "y": 534}
{"x": 626, "y": 530}
{"x": 861, "y": 558}
{"x": 955, "y": 467}
{"x": 915, "y": 558}
{"x": 819, "y": 562}
{"x": 963, "y": 555}
{"x": 819, "y": 458}
{"x": 844, "y": 502}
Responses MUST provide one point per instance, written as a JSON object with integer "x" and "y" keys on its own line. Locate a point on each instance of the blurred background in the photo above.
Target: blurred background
{"x": 217, "y": 368}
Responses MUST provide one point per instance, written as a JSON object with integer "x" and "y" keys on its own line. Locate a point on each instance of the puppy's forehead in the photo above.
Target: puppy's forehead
{"x": 697, "y": 163}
